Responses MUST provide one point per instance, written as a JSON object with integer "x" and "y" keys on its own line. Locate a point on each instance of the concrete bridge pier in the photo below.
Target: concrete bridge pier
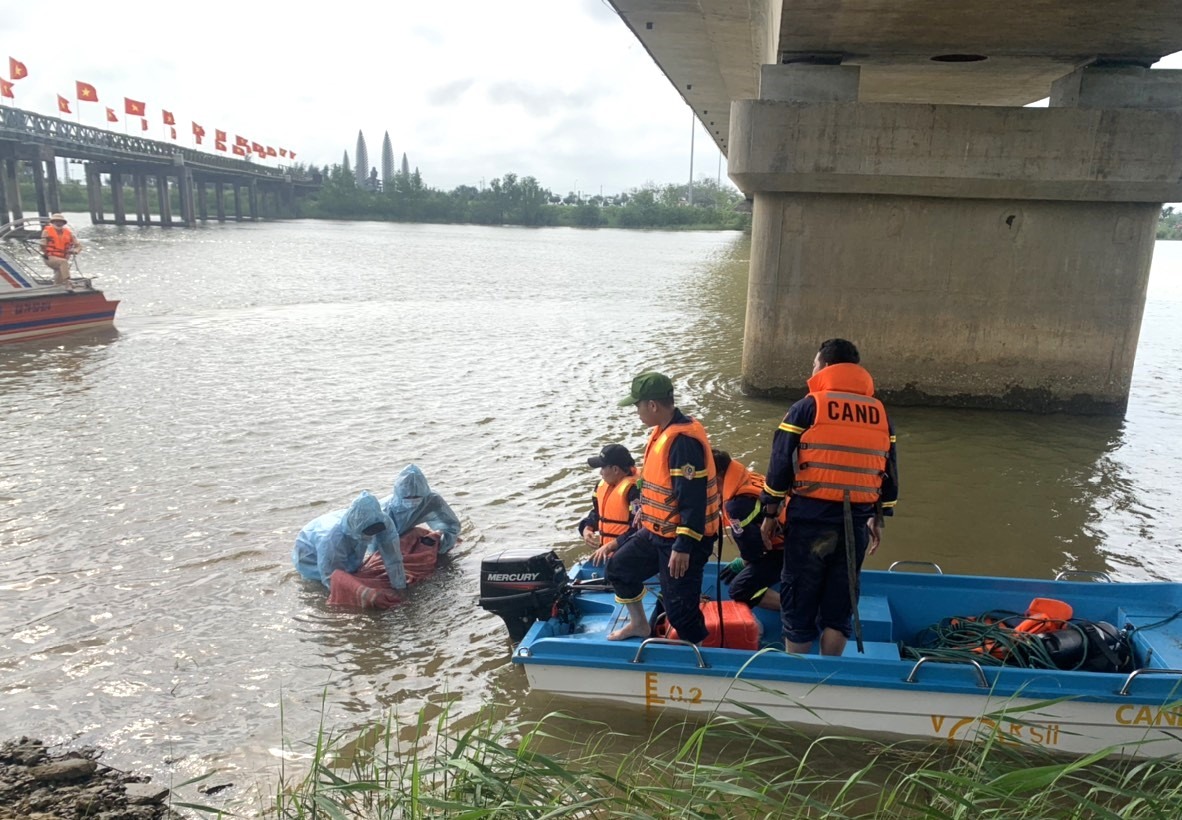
{"x": 117, "y": 204}
{"x": 979, "y": 256}
{"x": 164, "y": 200}
{"x": 94, "y": 193}
{"x": 52, "y": 189}
{"x": 237, "y": 202}
{"x": 219, "y": 198}
{"x": 202, "y": 201}
{"x": 253, "y": 198}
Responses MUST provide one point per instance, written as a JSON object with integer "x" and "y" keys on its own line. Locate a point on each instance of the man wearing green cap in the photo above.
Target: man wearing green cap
{"x": 679, "y": 512}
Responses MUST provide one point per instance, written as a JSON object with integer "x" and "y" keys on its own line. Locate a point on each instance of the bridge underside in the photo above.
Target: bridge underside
{"x": 980, "y": 253}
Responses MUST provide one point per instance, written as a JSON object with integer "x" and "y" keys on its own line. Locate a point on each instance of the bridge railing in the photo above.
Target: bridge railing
{"x": 65, "y": 135}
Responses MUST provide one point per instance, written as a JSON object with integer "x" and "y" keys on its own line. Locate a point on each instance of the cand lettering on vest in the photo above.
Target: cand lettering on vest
{"x": 848, "y": 411}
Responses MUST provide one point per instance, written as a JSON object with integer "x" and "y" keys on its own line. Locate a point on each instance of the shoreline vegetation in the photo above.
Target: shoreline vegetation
{"x": 505, "y": 200}
{"x": 484, "y": 766}
{"x": 1169, "y": 224}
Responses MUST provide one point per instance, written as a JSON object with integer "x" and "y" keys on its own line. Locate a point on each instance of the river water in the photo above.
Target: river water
{"x": 153, "y": 479}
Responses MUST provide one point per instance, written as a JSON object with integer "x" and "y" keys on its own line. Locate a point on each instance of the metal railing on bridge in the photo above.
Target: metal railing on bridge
{"x": 76, "y": 141}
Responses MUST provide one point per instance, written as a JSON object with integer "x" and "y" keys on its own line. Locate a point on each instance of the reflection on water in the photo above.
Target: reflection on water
{"x": 152, "y": 480}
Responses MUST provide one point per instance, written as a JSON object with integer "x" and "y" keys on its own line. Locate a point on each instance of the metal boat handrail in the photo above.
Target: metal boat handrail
{"x": 670, "y": 642}
{"x": 1136, "y": 673}
{"x": 931, "y": 564}
{"x": 1095, "y": 576}
{"x": 982, "y": 681}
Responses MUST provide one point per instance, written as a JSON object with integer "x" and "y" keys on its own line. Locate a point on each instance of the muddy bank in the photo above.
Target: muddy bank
{"x": 37, "y": 783}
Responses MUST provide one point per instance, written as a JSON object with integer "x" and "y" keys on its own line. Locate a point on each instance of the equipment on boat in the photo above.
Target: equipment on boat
{"x": 522, "y": 586}
{"x": 31, "y": 305}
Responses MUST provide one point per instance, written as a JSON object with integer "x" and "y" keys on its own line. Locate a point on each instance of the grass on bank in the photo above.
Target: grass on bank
{"x": 567, "y": 767}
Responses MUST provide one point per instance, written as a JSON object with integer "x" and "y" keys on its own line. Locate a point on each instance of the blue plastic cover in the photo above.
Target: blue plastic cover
{"x": 413, "y": 502}
{"x": 335, "y": 541}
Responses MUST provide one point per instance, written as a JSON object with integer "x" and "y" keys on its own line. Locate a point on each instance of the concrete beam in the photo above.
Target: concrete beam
{"x": 1073, "y": 154}
{"x": 805, "y": 82}
{"x": 1119, "y": 87}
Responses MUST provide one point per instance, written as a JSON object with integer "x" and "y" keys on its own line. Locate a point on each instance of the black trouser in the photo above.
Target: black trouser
{"x": 644, "y": 555}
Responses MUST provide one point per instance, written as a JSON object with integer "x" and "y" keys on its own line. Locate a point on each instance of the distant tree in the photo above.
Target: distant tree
{"x": 387, "y": 162}
{"x": 361, "y": 165}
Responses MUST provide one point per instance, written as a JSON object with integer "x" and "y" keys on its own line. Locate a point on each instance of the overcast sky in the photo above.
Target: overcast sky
{"x": 469, "y": 89}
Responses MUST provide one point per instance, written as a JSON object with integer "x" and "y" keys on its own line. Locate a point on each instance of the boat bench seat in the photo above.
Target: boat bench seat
{"x": 1159, "y": 647}
{"x": 875, "y": 614}
{"x": 875, "y": 650}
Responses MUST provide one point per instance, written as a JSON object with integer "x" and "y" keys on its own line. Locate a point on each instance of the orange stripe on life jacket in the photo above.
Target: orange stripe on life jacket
{"x": 615, "y": 517}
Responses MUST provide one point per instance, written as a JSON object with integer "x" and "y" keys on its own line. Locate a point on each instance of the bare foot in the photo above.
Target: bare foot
{"x": 631, "y": 630}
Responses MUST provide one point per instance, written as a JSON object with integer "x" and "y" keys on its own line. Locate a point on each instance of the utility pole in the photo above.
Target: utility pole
{"x": 693, "y": 127}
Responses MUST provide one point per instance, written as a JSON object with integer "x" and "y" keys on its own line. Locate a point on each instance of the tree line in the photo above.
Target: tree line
{"x": 514, "y": 200}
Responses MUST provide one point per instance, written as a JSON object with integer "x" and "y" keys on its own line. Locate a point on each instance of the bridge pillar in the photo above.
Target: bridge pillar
{"x": 139, "y": 184}
{"x": 184, "y": 180}
{"x": 253, "y": 190}
{"x": 12, "y": 186}
{"x": 94, "y": 194}
{"x": 117, "y": 198}
{"x": 979, "y": 256}
{"x": 165, "y": 200}
{"x": 219, "y": 199}
{"x": 202, "y": 201}
{"x": 237, "y": 202}
{"x": 39, "y": 187}
{"x": 55, "y": 195}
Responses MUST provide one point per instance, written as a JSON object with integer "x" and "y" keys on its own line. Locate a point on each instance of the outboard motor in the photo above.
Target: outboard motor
{"x": 522, "y": 585}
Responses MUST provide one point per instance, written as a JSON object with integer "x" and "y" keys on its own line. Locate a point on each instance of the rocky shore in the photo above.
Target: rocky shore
{"x": 39, "y": 784}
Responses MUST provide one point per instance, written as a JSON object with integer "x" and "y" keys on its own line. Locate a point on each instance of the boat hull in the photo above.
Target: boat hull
{"x": 44, "y": 315}
{"x": 1137, "y": 714}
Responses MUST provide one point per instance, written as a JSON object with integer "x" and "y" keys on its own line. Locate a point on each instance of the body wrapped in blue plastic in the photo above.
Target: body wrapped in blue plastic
{"x": 336, "y": 540}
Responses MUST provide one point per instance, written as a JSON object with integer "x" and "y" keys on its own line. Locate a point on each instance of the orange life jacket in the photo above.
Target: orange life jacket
{"x": 615, "y": 517}
{"x": 741, "y": 481}
{"x": 846, "y": 448}
{"x": 58, "y": 240}
{"x": 658, "y": 505}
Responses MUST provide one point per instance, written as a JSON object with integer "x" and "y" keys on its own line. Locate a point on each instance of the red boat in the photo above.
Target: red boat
{"x": 32, "y": 306}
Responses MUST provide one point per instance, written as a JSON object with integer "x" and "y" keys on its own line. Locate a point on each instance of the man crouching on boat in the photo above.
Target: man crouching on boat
{"x": 679, "y": 502}
{"x": 58, "y": 245}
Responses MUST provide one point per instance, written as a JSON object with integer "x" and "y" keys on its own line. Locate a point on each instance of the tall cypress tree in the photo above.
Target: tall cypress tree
{"x": 362, "y": 168}
{"x": 387, "y": 163}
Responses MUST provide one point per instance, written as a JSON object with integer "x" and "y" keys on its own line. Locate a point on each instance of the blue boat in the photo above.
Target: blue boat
{"x": 896, "y": 685}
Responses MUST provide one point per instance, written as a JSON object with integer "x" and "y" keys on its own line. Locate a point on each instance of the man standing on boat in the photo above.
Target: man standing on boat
{"x": 57, "y": 246}
{"x": 613, "y": 507}
{"x": 679, "y": 511}
{"x": 834, "y": 453}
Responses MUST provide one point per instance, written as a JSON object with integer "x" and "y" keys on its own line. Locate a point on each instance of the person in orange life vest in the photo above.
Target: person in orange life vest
{"x": 57, "y": 246}
{"x": 757, "y": 568}
{"x": 679, "y": 511}
{"x": 834, "y": 451}
{"x": 613, "y": 507}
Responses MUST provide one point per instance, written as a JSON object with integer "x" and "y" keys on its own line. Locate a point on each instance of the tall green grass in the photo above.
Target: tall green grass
{"x": 566, "y": 767}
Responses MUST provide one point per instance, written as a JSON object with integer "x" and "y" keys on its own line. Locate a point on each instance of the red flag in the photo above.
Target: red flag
{"x": 85, "y": 91}
{"x": 173, "y": 130}
{"x": 169, "y": 119}
{"x": 258, "y": 149}
{"x": 6, "y": 89}
{"x": 63, "y": 104}
{"x": 220, "y": 145}
{"x": 16, "y": 69}
{"x": 291, "y": 154}
{"x": 198, "y": 131}
{"x": 143, "y": 125}
{"x": 197, "y": 139}
{"x": 283, "y": 152}
{"x": 111, "y": 115}
{"x": 241, "y": 141}
{"x": 220, "y": 135}
{"x": 135, "y": 107}
{"x": 271, "y": 151}
{"x": 239, "y": 151}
